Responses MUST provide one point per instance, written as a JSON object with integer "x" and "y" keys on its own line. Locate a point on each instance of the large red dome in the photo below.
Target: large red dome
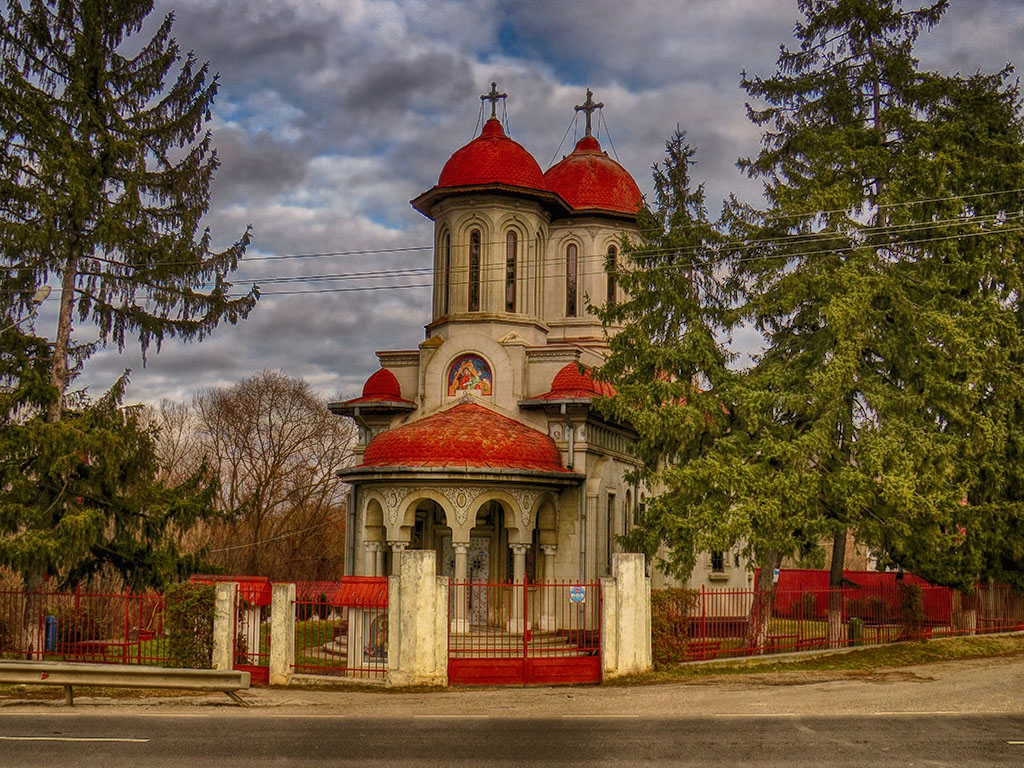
{"x": 467, "y": 435}
{"x": 590, "y": 180}
{"x": 492, "y": 158}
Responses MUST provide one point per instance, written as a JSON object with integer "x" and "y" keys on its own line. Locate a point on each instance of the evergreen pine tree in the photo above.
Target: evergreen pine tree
{"x": 105, "y": 176}
{"x": 884, "y": 281}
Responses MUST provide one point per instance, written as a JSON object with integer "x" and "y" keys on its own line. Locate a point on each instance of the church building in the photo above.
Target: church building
{"x": 482, "y": 444}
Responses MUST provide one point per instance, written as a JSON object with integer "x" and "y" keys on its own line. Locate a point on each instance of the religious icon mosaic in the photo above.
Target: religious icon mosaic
{"x": 469, "y": 373}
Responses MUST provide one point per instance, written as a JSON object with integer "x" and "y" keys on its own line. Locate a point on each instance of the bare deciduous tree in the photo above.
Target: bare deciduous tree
{"x": 276, "y": 450}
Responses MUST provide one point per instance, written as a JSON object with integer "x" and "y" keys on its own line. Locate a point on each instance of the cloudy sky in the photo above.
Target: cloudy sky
{"x": 333, "y": 114}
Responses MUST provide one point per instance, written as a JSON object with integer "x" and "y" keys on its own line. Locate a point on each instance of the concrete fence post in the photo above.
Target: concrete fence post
{"x": 224, "y": 625}
{"x": 626, "y": 620}
{"x": 418, "y": 622}
{"x": 282, "y": 633}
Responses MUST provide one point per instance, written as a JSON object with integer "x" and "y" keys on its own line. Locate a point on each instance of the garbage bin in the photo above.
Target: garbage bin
{"x": 51, "y": 634}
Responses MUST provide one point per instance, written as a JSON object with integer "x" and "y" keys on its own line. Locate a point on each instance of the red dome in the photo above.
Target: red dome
{"x": 572, "y": 379}
{"x": 571, "y": 383}
{"x": 467, "y": 435}
{"x": 492, "y": 158}
{"x": 382, "y": 385}
{"x": 381, "y": 392}
{"x": 589, "y": 179}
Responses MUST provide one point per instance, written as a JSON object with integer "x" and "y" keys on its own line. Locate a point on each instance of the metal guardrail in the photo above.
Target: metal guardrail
{"x": 122, "y": 676}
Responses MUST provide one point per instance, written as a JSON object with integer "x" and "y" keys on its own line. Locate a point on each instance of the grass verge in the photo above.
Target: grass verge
{"x": 867, "y": 659}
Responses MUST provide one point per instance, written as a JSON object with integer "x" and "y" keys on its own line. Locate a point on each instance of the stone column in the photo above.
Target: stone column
{"x": 376, "y": 556}
{"x": 224, "y": 625}
{"x": 460, "y": 602}
{"x": 417, "y": 622}
{"x": 547, "y": 609}
{"x": 517, "y": 622}
{"x": 282, "y": 633}
{"x": 626, "y": 617}
{"x": 397, "y": 548}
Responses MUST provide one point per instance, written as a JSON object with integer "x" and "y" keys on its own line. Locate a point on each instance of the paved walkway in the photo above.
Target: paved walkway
{"x": 990, "y": 685}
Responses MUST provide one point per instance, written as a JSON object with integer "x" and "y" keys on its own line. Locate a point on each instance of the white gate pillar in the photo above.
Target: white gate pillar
{"x": 282, "y": 633}
{"x": 418, "y": 622}
{"x": 626, "y": 619}
{"x": 224, "y": 625}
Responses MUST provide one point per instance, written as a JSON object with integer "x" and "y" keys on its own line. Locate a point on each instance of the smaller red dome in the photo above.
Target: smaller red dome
{"x": 589, "y": 179}
{"x": 572, "y": 379}
{"x": 381, "y": 393}
{"x": 492, "y": 158}
{"x": 382, "y": 385}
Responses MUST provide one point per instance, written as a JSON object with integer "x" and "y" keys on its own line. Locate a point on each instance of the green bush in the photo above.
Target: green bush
{"x": 188, "y": 610}
{"x": 912, "y": 614}
{"x": 670, "y": 624}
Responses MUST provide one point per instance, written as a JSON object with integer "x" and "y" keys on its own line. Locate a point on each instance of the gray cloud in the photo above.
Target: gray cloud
{"x": 332, "y": 115}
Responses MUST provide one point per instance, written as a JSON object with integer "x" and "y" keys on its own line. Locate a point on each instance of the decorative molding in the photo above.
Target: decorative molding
{"x": 393, "y": 497}
{"x": 462, "y": 497}
{"x": 525, "y": 498}
{"x": 399, "y": 358}
{"x": 513, "y": 339}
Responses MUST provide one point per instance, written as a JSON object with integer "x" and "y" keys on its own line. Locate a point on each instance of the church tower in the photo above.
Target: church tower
{"x": 482, "y": 443}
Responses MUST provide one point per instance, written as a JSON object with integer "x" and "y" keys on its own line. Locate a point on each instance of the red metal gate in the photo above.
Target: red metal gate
{"x": 524, "y": 633}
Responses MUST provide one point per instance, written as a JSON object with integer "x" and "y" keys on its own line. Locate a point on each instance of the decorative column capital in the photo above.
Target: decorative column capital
{"x": 549, "y": 549}
{"x": 398, "y": 546}
{"x": 519, "y": 549}
{"x": 460, "y": 547}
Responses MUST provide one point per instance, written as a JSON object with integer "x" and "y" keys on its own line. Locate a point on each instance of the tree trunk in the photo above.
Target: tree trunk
{"x": 835, "y": 590}
{"x": 59, "y": 372}
{"x": 764, "y": 598}
{"x": 33, "y": 627}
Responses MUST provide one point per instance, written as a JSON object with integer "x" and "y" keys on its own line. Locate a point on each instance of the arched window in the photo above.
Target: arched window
{"x": 571, "y": 276}
{"x": 446, "y": 275}
{"x": 612, "y": 266}
{"x": 474, "y": 271}
{"x": 511, "y": 249}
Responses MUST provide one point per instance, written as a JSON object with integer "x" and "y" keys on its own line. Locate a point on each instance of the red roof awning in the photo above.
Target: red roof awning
{"x": 362, "y": 592}
{"x": 255, "y": 590}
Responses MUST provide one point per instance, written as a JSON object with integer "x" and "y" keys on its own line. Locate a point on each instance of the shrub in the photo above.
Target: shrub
{"x": 911, "y": 608}
{"x": 189, "y": 609}
{"x": 670, "y": 624}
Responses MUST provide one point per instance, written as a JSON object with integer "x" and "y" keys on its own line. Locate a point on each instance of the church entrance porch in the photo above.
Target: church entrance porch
{"x": 523, "y": 633}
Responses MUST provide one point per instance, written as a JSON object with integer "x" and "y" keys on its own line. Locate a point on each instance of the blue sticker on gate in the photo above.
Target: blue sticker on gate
{"x": 578, "y": 594}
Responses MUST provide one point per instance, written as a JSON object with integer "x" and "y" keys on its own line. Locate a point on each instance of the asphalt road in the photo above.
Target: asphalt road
{"x": 965, "y": 713}
{"x": 225, "y": 741}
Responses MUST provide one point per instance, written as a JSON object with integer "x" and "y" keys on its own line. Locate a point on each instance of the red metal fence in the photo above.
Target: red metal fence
{"x": 523, "y": 633}
{"x": 691, "y": 625}
{"x": 341, "y": 629}
{"x": 116, "y": 628}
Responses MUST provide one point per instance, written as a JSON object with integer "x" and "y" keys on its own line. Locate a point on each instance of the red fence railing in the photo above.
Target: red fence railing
{"x": 116, "y": 628}
{"x": 702, "y": 624}
{"x": 343, "y": 632}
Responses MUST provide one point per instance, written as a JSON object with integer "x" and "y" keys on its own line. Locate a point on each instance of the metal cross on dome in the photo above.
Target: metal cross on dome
{"x": 589, "y": 106}
{"x": 494, "y": 97}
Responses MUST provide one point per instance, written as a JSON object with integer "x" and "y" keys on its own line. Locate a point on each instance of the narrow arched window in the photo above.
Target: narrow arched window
{"x": 571, "y": 270}
{"x": 446, "y": 276}
{"x": 474, "y": 271}
{"x": 612, "y": 267}
{"x": 511, "y": 249}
